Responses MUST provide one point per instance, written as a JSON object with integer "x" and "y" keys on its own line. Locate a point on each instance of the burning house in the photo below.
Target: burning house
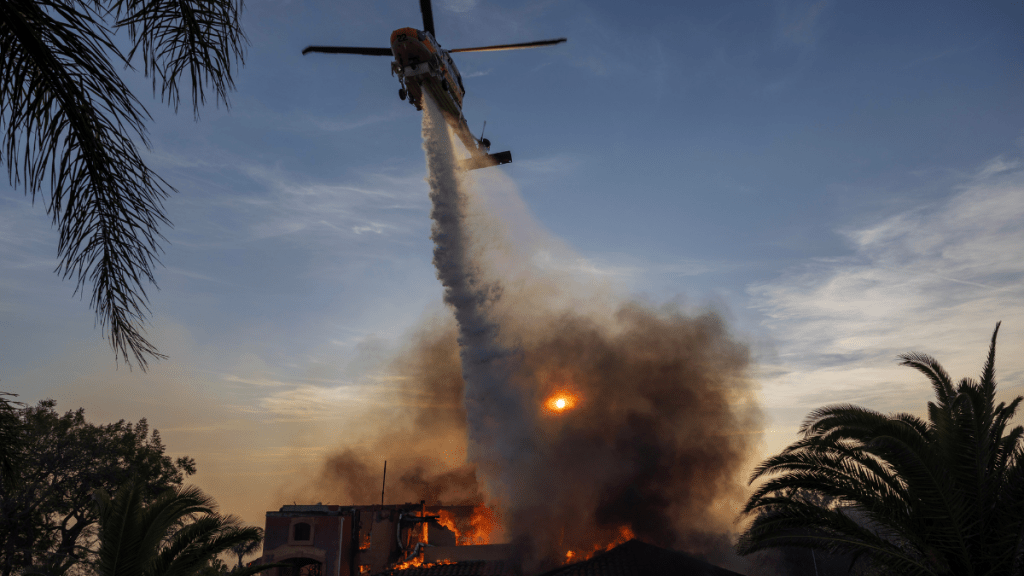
{"x": 332, "y": 540}
{"x": 592, "y": 421}
{"x": 420, "y": 540}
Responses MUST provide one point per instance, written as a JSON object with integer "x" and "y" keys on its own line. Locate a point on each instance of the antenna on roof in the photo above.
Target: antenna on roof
{"x": 382, "y": 483}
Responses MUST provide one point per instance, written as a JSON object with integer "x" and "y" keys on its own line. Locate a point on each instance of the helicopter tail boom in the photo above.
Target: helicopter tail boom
{"x": 486, "y": 160}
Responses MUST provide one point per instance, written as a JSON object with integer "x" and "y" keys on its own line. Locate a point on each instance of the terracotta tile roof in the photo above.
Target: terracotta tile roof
{"x": 635, "y": 558}
{"x": 479, "y": 568}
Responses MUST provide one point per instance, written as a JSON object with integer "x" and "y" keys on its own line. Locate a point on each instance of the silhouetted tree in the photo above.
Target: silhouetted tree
{"x": 243, "y": 549}
{"x": 214, "y": 567}
{"x": 12, "y": 438}
{"x": 47, "y": 519}
{"x": 68, "y": 123}
{"x": 177, "y": 534}
{"x": 909, "y": 496}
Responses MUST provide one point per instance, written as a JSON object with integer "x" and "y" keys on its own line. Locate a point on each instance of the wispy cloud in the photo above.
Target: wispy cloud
{"x": 311, "y": 403}
{"x": 546, "y": 260}
{"x": 384, "y": 205}
{"x": 635, "y": 271}
{"x": 935, "y": 280}
{"x": 276, "y": 202}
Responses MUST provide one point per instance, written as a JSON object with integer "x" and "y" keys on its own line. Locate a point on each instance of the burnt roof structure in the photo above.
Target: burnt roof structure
{"x": 333, "y": 540}
{"x": 636, "y": 558}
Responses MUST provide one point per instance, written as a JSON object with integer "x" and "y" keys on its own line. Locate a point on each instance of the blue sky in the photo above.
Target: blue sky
{"x": 842, "y": 179}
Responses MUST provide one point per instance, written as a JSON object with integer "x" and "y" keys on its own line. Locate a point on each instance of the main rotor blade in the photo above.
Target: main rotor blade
{"x": 348, "y": 50}
{"x": 511, "y": 46}
{"x": 428, "y": 17}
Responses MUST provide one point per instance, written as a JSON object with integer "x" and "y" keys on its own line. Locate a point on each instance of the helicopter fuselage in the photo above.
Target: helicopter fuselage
{"x": 423, "y": 66}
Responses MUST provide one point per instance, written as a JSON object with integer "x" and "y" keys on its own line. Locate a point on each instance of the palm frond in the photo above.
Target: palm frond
{"x": 119, "y": 532}
{"x": 789, "y": 522}
{"x": 839, "y": 416}
{"x": 168, "y": 510}
{"x": 174, "y": 535}
{"x": 243, "y": 549}
{"x": 1006, "y": 447}
{"x": 208, "y": 537}
{"x": 67, "y": 121}
{"x": 988, "y": 373}
{"x": 943, "y": 496}
{"x": 198, "y": 40}
{"x": 931, "y": 368}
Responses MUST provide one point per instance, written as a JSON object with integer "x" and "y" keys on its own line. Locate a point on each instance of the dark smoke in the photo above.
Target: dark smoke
{"x": 658, "y": 437}
{"x": 664, "y": 415}
{"x": 423, "y": 439}
{"x": 655, "y": 445}
{"x": 352, "y": 477}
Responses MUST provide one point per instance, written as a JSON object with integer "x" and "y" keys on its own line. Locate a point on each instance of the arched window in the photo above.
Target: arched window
{"x": 302, "y": 531}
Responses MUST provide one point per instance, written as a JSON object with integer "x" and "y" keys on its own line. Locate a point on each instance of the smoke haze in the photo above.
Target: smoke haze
{"x": 659, "y": 416}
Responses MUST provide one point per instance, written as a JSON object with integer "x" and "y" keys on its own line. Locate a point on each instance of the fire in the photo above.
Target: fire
{"x": 625, "y": 534}
{"x": 417, "y": 563}
{"x": 447, "y": 519}
{"x": 476, "y": 529}
{"x": 483, "y": 522}
{"x": 561, "y": 401}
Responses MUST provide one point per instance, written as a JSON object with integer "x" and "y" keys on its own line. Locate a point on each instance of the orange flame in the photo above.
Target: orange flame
{"x": 417, "y": 563}
{"x": 483, "y": 522}
{"x": 625, "y": 534}
{"x": 476, "y": 529}
{"x": 364, "y": 541}
{"x": 447, "y": 519}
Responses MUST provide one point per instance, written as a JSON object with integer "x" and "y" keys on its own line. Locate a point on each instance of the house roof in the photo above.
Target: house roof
{"x": 477, "y": 568}
{"x": 636, "y": 558}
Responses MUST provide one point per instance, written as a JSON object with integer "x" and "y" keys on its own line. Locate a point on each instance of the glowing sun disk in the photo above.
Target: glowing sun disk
{"x": 560, "y": 402}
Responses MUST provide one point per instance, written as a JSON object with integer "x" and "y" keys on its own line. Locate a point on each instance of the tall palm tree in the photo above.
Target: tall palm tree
{"x": 175, "y": 535}
{"x": 68, "y": 125}
{"x": 920, "y": 497}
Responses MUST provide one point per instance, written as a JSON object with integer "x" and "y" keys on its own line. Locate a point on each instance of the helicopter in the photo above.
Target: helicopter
{"x": 423, "y": 66}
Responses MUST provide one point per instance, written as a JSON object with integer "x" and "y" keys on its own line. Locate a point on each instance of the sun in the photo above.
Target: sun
{"x": 560, "y": 402}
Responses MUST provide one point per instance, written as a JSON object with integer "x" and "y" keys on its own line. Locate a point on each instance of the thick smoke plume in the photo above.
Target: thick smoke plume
{"x": 421, "y": 432}
{"x": 657, "y": 415}
{"x": 656, "y": 412}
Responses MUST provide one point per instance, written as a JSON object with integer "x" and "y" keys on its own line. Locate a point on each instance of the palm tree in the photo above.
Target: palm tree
{"x": 910, "y": 496}
{"x": 243, "y": 549}
{"x": 175, "y": 535}
{"x": 67, "y": 124}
